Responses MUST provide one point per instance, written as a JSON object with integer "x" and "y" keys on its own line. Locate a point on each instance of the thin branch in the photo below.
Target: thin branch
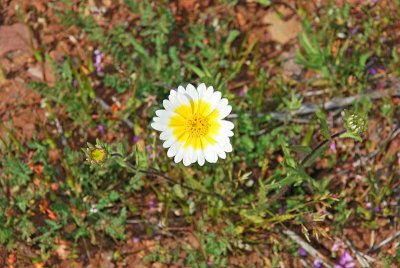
{"x": 322, "y": 143}
{"x": 307, "y": 247}
{"x": 309, "y": 108}
{"x": 60, "y": 130}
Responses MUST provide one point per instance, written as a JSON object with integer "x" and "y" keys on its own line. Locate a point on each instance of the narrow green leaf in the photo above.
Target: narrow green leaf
{"x": 324, "y": 124}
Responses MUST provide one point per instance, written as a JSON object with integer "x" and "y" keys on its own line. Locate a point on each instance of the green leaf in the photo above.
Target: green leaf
{"x": 5, "y": 234}
{"x": 138, "y": 47}
{"x": 178, "y": 191}
{"x": 114, "y": 196}
{"x": 351, "y": 136}
{"x": 195, "y": 69}
{"x": 324, "y": 124}
{"x": 300, "y": 148}
{"x": 19, "y": 171}
{"x": 255, "y": 219}
{"x": 307, "y": 44}
{"x": 319, "y": 152}
{"x": 232, "y": 36}
{"x": 281, "y": 218}
{"x": 264, "y": 2}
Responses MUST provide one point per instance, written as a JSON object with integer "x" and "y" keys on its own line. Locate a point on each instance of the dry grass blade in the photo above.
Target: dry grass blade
{"x": 362, "y": 258}
{"x": 384, "y": 242}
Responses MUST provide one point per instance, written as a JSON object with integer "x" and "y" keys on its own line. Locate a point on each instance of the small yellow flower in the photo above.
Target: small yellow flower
{"x": 96, "y": 155}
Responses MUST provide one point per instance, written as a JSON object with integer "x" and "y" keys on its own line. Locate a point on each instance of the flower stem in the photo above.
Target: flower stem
{"x": 158, "y": 173}
{"x": 322, "y": 143}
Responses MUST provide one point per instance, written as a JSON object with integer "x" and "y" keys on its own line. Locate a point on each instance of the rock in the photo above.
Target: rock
{"x": 282, "y": 29}
{"x": 14, "y": 37}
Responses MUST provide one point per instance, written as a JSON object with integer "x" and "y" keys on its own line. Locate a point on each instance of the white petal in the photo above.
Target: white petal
{"x": 158, "y": 126}
{"x": 207, "y": 94}
{"x": 186, "y": 160}
{"x": 167, "y": 134}
{"x": 223, "y": 134}
{"x": 227, "y": 147}
{"x": 209, "y": 155}
{"x": 181, "y": 89}
{"x": 224, "y": 112}
{"x": 200, "y": 157}
{"x": 192, "y": 92}
{"x": 194, "y": 157}
{"x": 215, "y": 157}
{"x": 222, "y": 138}
{"x": 164, "y": 114}
{"x": 201, "y": 90}
{"x": 172, "y": 99}
{"x": 220, "y": 152}
{"x": 168, "y": 105}
{"x": 215, "y": 99}
{"x": 223, "y": 102}
{"x": 169, "y": 142}
{"x": 179, "y": 156}
{"x": 172, "y": 150}
{"x": 162, "y": 121}
{"x": 227, "y": 124}
{"x": 172, "y": 92}
{"x": 182, "y": 99}
{"x": 210, "y": 90}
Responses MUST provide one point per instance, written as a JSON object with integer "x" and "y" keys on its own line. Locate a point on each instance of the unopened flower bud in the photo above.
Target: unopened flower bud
{"x": 355, "y": 124}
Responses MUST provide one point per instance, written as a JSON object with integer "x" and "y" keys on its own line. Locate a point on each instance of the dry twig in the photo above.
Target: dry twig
{"x": 307, "y": 247}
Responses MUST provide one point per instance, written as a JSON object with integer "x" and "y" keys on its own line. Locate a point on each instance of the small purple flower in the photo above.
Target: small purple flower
{"x": 302, "y": 252}
{"x": 98, "y": 57}
{"x": 337, "y": 245}
{"x": 372, "y": 71}
{"x": 377, "y": 209}
{"x": 135, "y": 139}
{"x": 332, "y": 146}
{"x": 152, "y": 204}
{"x": 346, "y": 261}
{"x": 282, "y": 209}
{"x": 368, "y": 205}
{"x": 317, "y": 263}
{"x": 101, "y": 128}
{"x": 345, "y": 258}
{"x": 75, "y": 83}
{"x": 354, "y": 30}
{"x": 148, "y": 148}
{"x": 135, "y": 240}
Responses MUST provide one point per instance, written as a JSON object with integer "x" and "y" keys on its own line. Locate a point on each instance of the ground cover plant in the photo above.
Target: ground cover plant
{"x": 312, "y": 179}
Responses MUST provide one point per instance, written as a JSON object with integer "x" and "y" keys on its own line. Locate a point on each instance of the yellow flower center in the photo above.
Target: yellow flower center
{"x": 195, "y": 125}
{"x": 97, "y": 155}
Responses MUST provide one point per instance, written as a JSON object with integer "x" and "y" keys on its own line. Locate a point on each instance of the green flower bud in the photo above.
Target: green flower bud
{"x": 355, "y": 124}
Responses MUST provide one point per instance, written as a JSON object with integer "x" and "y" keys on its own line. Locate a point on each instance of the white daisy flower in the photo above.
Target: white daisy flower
{"x": 192, "y": 125}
